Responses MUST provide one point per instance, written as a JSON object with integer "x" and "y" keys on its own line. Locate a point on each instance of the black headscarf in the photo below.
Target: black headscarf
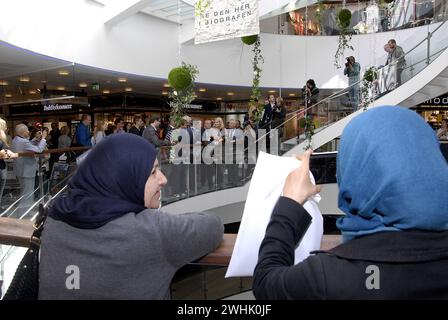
{"x": 109, "y": 183}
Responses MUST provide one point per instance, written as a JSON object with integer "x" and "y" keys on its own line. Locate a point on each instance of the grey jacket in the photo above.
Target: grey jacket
{"x": 397, "y": 56}
{"x": 150, "y": 134}
{"x": 26, "y": 167}
{"x": 132, "y": 257}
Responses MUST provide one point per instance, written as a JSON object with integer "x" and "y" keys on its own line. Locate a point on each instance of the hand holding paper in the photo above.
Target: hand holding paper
{"x": 265, "y": 188}
{"x": 298, "y": 185}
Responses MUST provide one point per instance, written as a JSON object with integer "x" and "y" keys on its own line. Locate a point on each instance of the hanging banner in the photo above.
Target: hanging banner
{"x": 226, "y": 19}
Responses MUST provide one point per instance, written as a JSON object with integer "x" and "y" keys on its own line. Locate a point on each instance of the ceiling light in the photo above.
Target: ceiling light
{"x": 292, "y": 94}
{"x": 24, "y": 79}
{"x": 122, "y": 79}
{"x": 230, "y": 93}
{"x": 202, "y": 90}
{"x": 272, "y": 91}
{"x": 43, "y": 81}
{"x": 83, "y": 85}
{"x": 165, "y": 93}
{"x": 3, "y": 83}
{"x": 60, "y": 88}
{"x": 63, "y": 72}
{"x": 8, "y": 95}
{"x": 128, "y": 89}
{"x": 166, "y": 85}
{"x": 106, "y": 91}
{"x": 32, "y": 92}
{"x": 219, "y": 99}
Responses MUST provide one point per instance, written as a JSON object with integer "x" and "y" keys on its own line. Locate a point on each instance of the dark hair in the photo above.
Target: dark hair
{"x": 154, "y": 118}
{"x": 84, "y": 117}
{"x": 311, "y": 82}
{"x": 118, "y": 120}
{"x": 393, "y": 41}
{"x": 137, "y": 118}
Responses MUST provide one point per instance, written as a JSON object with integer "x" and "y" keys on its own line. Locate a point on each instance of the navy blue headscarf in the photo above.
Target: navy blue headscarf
{"x": 391, "y": 174}
{"x": 108, "y": 184}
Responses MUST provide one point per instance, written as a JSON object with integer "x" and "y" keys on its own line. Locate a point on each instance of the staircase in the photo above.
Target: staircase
{"x": 425, "y": 77}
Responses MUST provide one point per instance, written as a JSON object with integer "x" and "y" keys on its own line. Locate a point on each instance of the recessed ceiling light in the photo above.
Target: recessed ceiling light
{"x": 272, "y": 91}
{"x": 219, "y": 99}
{"x": 292, "y": 94}
{"x": 230, "y": 93}
{"x": 165, "y": 93}
{"x": 63, "y": 72}
{"x": 83, "y": 85}
{"x": 202, "y": 90}
{"x": 3, "y": 83}
{"x": 8, "y": 95}
{"x": 64, "y": 95}
{"x": 60, "y": 88}
{"x": 43, "y": 81}
{"x": 122, "y": 79}
{"x": 128, "y": 89}
{"x": 32, "y": 92}
{"x": 166, "y": 85}
{"x": 106, "y": 91}
{"x": 24, "y": 79}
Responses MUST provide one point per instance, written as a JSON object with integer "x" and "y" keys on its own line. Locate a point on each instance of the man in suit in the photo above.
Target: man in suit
{"x": 234, "y": 151}
{"x": 396, "y": 57}
{"x": 25, "y": 167}
{"x": 268, "y": 113}
{"x": 136, "y": 126}
{"x": 150, "y": 133}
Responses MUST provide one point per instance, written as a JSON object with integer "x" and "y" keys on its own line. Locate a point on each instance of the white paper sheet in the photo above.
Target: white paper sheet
{"x": 265, "y": 188}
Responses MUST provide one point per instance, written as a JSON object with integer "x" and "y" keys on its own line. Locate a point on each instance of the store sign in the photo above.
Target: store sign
{"x": 189, "y": 106}
{"x": 439, "y": 101}
{"x": 55, "y": 107}
{"x": 227, "y": 19}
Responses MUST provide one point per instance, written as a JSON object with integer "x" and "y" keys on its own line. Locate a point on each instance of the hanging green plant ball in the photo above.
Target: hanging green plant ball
{"x": 179, "y": 78}
{"x": 249, "y": 40}
{"x": 344, "y": 18}
{"x": 371, "y": 75}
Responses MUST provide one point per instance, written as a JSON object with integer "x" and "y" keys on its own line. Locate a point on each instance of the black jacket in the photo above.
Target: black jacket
{"x": 267, "y": 116}
{"x": 405, "y": 264}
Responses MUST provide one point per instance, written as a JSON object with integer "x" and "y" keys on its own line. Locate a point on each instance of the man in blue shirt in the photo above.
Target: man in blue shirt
{"x": 82, "y": 134}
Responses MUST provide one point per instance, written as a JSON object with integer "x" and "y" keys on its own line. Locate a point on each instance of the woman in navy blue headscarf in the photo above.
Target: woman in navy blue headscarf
{"x": 393, "y": 183}
{"x": 107, "y": 230}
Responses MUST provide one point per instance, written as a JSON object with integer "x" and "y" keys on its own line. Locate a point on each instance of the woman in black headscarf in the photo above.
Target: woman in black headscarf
{"x": 106, "y": 238}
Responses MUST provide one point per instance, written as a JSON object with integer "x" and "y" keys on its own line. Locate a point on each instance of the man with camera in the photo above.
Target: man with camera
{"x": 352, "y": 70}
{"x": 395, "y": 58}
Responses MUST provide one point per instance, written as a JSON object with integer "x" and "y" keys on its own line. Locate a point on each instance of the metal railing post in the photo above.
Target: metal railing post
{"x": 428, "y": 49}
{"x": 41, "y": 176}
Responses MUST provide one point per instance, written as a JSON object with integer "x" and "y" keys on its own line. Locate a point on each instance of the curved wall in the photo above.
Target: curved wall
{"x": 144, "y": 45}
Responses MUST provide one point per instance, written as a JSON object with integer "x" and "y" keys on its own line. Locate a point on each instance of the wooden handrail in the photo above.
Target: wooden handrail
{"x": 17, "y": 232}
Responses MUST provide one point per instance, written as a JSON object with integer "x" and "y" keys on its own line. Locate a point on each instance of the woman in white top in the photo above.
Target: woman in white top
{"x": 218, "y": 124}
{"x": 442, "y": 133}
{"x": 99, "y": 132}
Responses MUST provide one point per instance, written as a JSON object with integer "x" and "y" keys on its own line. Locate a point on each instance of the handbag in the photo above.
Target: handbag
{"x": 25, "y": 283}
